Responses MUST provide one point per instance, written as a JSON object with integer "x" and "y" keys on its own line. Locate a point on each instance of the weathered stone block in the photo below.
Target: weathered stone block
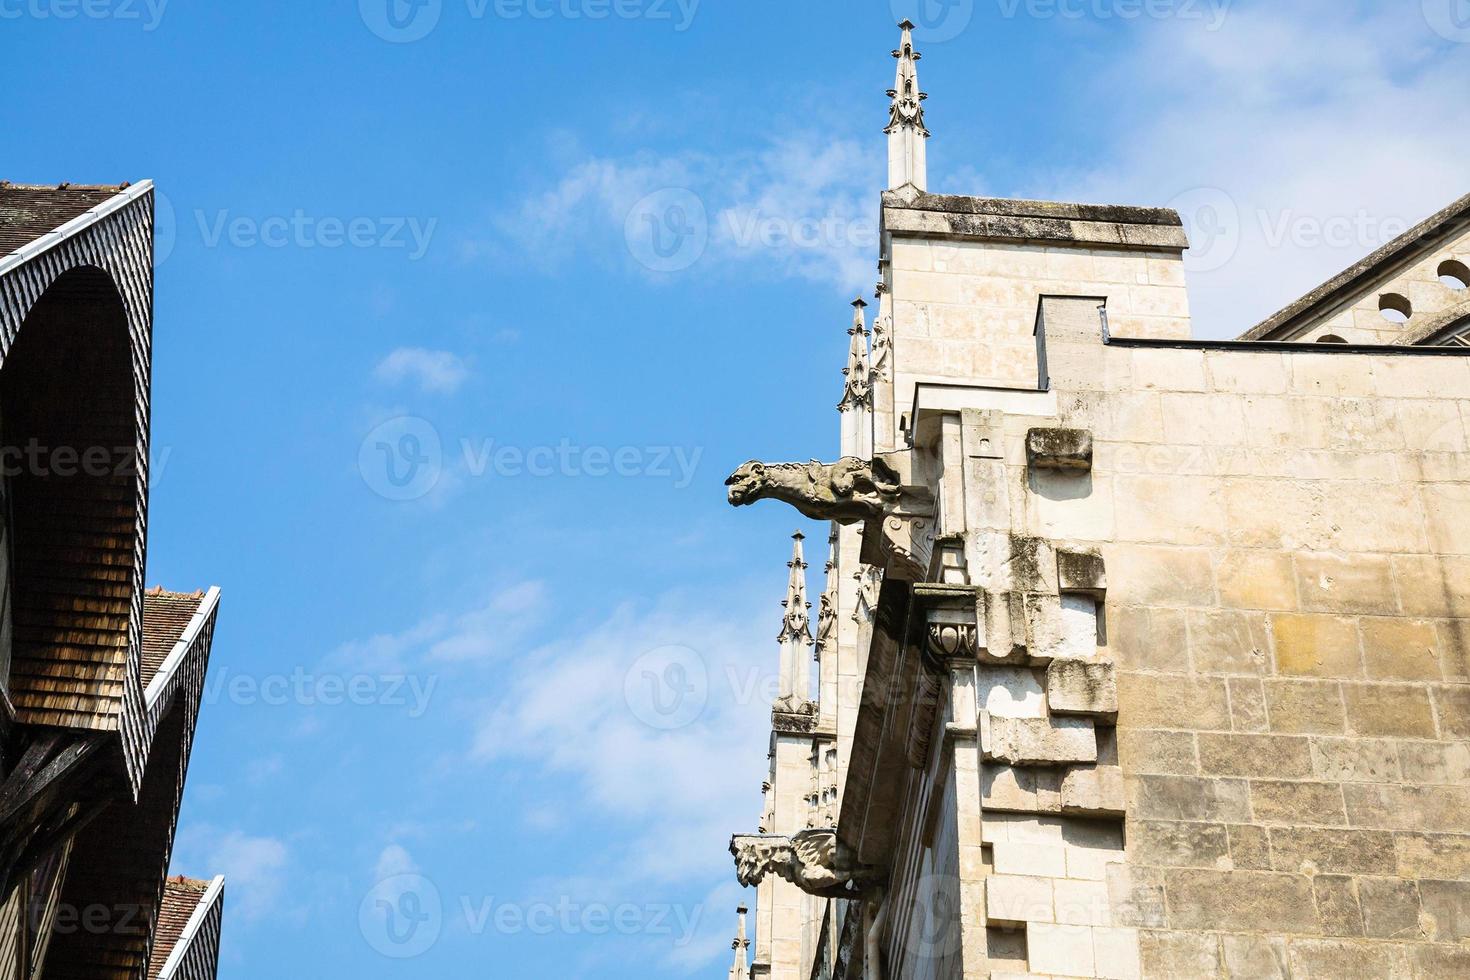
{"x": 1285, "y": 756}
{"x": 1250, "y": 848}
{"x": 1401, "y": 649}
{"x": 1453, "y": 707}
{"x": 1081, "y": 571}
{"x": 1026, "y": 858}
{"x": 1293, "y": 803}
{"x": 1075, "y": 687}
{"x": 1384, "y": 709}
{"x": 1247, "y": 704}
{"x": 1010, "y": 789}
{"x": 1167, "y": 753}
{"x": 1257, "y": 580}
{"x": 1434, "y": 762}
{"x": 1173, "y": 701}
{"x": 1355, "y": 760}
{"x": 1188, "y": 798}
{"x": 1222, "y": 641}
{"x": 1258, "y": 901}
{"x": 1037, "y": 741}
{"x": 1178, "y": 845}
{"x": 1440, "y": 962}
{"x": 1081, "y": 903}
{"x": 1307, "y": 707}
{"x": 1256, "y": 957}
{"x": 1390, "y": 908}
{"x": 1136, "y": 896}
{"x": 1359, "y": 584}
{"x": 1433, "y": 856}
{"x": 1425, "y": 809}
{"x": 1059, "y": 449}
{"x": 1018, "y": 899}
{"x": 1307, "y": 850}
{"x": 1115, "y": 952}
{"x": 1346, "y": 959}
{"x": 1060, "y": 949}
{"x": 1447, "y": 904}
{"x": 1315, "y": 645}
{"x": 1094, "y": 791}
{"x": 1172, "y": 955}
{"x": 1337, "y": 905}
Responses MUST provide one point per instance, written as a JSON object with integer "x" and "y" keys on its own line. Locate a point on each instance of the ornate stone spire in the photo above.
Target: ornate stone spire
{"x": 827, "y": 609}
{"x": 906, "y": 131}
{"x": 797, "y": 624}
{"x": 740, "y": 969}
{"x": 796, "y": 634}
{"x": 858, "y": 392}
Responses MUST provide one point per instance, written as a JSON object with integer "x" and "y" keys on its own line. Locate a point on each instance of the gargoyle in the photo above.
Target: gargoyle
{"x": 814, "y": 861}
{"x": 847, "y": 491}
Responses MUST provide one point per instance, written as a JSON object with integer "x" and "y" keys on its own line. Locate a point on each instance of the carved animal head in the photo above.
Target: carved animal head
{"x": 746, "y": 483}
{"x": 758, "y": 856}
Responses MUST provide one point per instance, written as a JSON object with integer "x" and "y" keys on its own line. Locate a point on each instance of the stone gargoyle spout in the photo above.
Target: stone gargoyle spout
{"x": 847, "y": 491}
{"x": 814, "y": 861}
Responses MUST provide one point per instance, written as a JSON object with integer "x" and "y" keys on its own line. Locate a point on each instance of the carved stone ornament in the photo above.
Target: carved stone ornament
{"x": 813, "y": 860}
{"x": 951, "y": 640}
{"x": 847, "y": 491}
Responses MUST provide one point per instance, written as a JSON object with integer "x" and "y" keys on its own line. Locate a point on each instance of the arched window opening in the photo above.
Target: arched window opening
{"x": 1395, "y": 307}
{"x": 1454, "y": 274}
{"x": 1330, "y": 338}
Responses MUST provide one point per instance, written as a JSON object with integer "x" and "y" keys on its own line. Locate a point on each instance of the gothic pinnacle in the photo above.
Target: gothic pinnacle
{"x": 797, "y": 623}
{"x": 740, "y": 968}
{"x": 907, "y": 108}
{"x": 858, "y": 391}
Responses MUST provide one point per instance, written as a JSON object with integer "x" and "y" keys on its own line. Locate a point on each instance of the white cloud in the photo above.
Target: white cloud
{"x": 437, "y": 371}
{"x": 801, "y": 206}
{"x": 579, "y": 709}
{"x": 497, "y": 625}
{"x": 255, "y": 868}
{"x": 394, "y": 860}
{"x": 1329, "y": 127}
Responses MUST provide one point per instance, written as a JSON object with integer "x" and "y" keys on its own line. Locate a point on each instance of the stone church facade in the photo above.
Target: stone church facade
{"x": 1137, "y": 655}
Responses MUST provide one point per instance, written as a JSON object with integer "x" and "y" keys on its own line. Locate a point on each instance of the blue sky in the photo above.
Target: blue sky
{"x": 463, "y": 316}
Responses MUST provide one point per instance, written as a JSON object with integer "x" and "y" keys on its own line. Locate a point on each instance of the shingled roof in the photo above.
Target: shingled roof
{"x": 28, "y": 211}
{"x": 165, "y": 617}
{"x": 181, "y": 898}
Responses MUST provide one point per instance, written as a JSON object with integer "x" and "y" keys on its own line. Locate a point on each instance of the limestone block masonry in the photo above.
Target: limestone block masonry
{"x": 1137, "y": 656}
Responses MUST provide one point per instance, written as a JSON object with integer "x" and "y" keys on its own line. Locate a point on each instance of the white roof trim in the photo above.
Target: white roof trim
{"x": 170, "y": 664}
{"x": 86, "y": 219}
{"x": 191, "y": 928}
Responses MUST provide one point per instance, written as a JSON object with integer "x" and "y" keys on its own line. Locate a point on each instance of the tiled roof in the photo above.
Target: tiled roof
{"x": 165, "y": 616}
{"x": 181, "y": 896}
{"x": 28, "y": 211}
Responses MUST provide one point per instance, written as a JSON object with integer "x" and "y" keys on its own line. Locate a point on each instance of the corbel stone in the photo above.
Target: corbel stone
{"x": 815, "y": 861}
{"x": 1045, "y": 636}
{"x": 1083, "y": 687}
{"x": 1081, "y": 571}
{"x": 1059, "y": 449}
{"x": 1037, "y": 741}
{"x": 1094, "y": 791}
